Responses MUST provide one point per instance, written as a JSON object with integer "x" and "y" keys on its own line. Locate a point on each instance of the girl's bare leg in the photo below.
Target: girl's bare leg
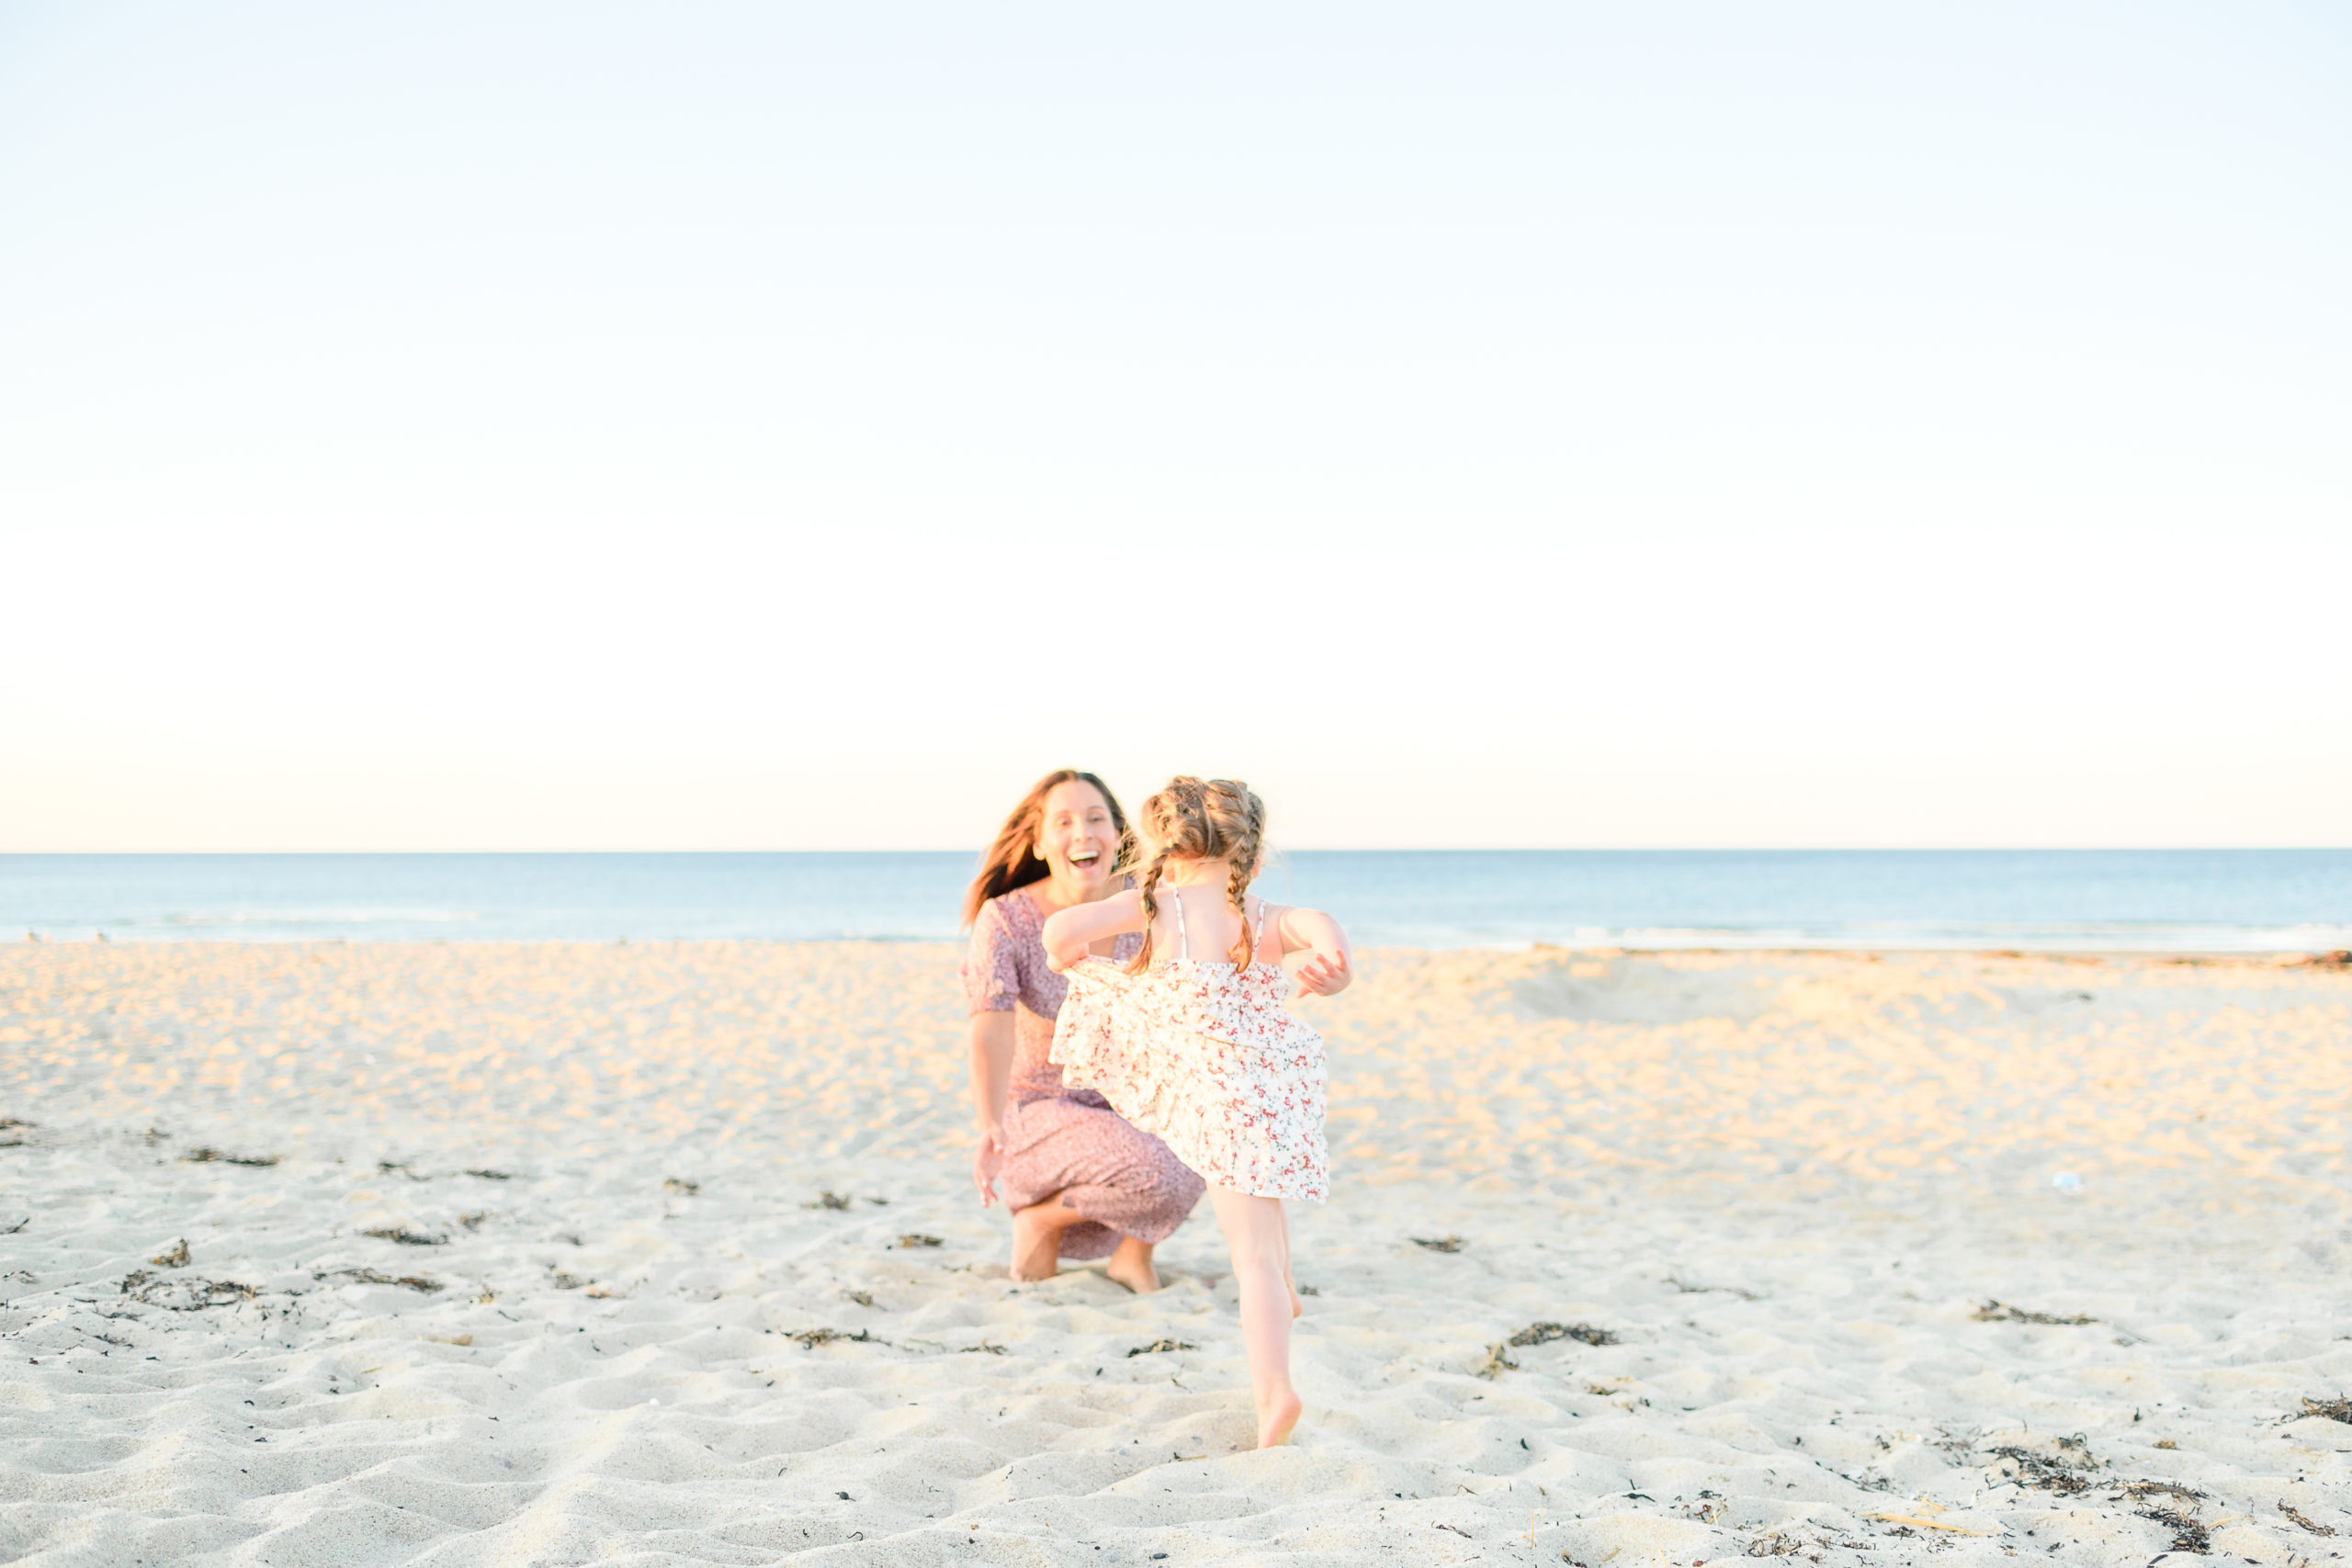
{"x": 1131, "y": 1266}
{"x": 1038, "y": 1237}
{"x": 1290, "y": 1282}
{"x": 1255, "y": 1233}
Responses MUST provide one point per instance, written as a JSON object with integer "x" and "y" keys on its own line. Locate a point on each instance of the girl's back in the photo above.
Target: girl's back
{"x": 1206, "y": 927}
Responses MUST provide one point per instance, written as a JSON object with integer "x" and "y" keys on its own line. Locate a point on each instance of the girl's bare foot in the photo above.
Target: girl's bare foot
{"x": 1277, "y": 1416}
{"x": 1131, "y": 1266}
{"x": 1037, "y": 1242}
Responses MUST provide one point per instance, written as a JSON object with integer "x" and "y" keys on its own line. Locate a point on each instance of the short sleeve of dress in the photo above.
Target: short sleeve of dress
{"x": 991, "y": 977}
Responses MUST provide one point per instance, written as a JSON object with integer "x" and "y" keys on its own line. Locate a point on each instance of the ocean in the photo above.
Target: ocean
{"x": 2161, "y": 900}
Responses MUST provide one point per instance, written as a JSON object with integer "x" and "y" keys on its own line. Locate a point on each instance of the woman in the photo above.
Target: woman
{"x": 1081, "y": 1183}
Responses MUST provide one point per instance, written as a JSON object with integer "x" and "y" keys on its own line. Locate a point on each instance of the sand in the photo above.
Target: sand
{"x": 667, "y": 1255}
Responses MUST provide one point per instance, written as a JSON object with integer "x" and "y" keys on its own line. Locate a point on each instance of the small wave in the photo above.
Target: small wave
{"x": 319, "y": 917}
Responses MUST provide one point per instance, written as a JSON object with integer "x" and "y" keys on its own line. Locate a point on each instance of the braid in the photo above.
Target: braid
{"x": 1236, "y": 821}
{"x": 1196, "y": 818}
{"x": 1237, "y": 882}
{"x": 1151, "y": 872}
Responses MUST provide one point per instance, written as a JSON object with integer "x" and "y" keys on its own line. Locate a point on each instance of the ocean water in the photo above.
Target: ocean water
{"x": 2166, "y": 900}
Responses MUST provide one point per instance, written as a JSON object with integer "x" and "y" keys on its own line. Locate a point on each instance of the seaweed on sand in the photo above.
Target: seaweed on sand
{"x": 2189, "y": 1533}
{"x": 2042, "y": 1473}
{"x": 210, "y": 1156}
{"x": 1544, "y": 1333}
{"x": 1440, "y": 1242}
{"x": 417, "y": 1283}
{"x": 2312, "y": 1525}
{"x": 186, "y": 1295}
{"x": 406, "y": 1237}
{"x": 2001, "y": 1312}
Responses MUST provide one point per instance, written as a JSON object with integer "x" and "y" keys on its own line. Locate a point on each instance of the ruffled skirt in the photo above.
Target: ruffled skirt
{"x": 1205, "y": 1057}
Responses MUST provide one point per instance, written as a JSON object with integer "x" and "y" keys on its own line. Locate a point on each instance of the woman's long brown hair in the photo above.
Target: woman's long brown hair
{"x": 1011, "y": 861}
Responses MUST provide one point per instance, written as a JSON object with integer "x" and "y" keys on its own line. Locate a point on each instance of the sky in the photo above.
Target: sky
{"x": 742, "y": 426}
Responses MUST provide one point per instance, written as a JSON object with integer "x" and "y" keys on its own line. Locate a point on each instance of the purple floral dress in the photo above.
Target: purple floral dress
{"x": 1058, "y": 1138}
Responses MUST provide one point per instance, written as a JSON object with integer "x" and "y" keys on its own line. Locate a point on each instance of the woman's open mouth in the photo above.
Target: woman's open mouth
{"x": 1085, "y": 857}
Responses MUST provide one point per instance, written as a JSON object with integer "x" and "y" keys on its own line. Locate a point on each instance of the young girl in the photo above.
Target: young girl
{"x": 1200, "y": 1052}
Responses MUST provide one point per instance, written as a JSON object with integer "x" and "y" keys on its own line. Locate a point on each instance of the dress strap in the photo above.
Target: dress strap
{"x": 1183, "y": 938}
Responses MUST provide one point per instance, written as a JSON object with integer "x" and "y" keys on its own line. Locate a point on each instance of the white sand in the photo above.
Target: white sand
{"x": 1783, "y": 1183}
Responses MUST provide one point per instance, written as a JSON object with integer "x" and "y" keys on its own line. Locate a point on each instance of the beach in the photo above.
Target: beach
{"x": 667, "y": 1253}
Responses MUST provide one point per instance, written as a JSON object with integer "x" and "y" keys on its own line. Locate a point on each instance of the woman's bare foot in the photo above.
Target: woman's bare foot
{"x": 1036, "y": 1242}
{"x": 1131, "y": 1266}
{"x": 1277, "y": 1416}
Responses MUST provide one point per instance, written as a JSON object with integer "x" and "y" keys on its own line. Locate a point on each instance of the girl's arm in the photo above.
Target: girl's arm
{"x": 1331, "y": 964}
{"x": 1069, "y": 932}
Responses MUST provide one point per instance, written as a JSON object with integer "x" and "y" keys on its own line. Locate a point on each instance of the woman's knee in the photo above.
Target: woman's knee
{"x": 1162, "y": 1179}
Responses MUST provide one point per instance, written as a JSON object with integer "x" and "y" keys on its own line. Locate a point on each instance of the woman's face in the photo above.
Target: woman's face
{"x": 1077, "y": 839}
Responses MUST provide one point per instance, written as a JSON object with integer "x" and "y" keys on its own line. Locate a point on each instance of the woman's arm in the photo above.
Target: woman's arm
{"x": 1331, "y": 963}
{"x": 992, "y": 1063}
{"x": 1069, "y": 932}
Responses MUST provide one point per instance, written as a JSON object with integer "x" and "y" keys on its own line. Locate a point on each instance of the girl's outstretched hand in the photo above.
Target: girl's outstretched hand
{"x": 1325, "y": 973}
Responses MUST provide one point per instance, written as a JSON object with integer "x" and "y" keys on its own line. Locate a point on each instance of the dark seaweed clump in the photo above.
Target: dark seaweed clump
{"x": 1544, "y": 1333}
{"x": 186, "y": 1295}
{"x": 2188, "y": 1534}
{"x": 417, "y": 1283}
{"x": 2062, "y": 1475}
{"x": 2001, "y": 1312}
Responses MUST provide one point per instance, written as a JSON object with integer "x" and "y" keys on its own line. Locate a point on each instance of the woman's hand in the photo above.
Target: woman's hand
{"x": 1325, "y": 973}
{"x": 987, "y": 1160}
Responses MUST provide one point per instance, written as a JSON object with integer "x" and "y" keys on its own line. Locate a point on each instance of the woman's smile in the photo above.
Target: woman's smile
{"x": 1077, "y": 839}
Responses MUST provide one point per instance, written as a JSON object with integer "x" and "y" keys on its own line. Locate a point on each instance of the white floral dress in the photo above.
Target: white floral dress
{"x": 1202, "y": 1056}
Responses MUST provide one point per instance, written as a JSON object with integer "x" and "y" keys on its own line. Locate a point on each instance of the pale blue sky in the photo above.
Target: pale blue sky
{"x": 534, "y": 426}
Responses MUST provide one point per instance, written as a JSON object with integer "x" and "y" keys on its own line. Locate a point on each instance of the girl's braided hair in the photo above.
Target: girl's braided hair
{"x": 1203, "y": 820}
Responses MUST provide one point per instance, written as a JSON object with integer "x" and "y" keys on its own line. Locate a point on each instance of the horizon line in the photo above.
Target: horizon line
{"x": 1278, "y": 851}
